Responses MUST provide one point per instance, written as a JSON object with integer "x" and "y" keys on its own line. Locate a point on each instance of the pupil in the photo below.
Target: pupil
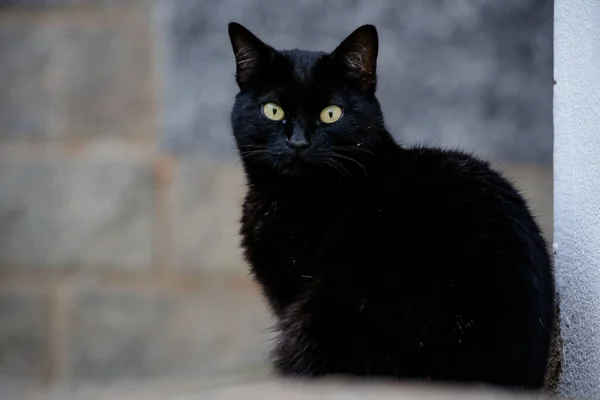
{"x": 330, "y": 114}
{"x": 274, "y": 110}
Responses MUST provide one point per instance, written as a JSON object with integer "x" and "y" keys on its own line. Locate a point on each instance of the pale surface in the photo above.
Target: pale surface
{"x": 577, "y": 191}
{"x": 266, "y": 390}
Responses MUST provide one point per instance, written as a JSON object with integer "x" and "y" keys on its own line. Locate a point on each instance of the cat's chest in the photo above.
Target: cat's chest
{"x": 294, "y": 226}
{"x": 288, "y": 224}
{"x": 317, "y": 231}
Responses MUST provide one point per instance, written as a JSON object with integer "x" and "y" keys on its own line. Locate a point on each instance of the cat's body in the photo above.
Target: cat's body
{"x": 379, "y": 260}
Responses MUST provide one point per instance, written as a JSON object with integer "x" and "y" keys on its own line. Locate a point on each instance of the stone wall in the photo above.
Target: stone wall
{"x": 119, "y": 185}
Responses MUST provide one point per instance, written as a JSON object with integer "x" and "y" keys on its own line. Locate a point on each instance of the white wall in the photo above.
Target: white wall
{"x": 577, "y": 191}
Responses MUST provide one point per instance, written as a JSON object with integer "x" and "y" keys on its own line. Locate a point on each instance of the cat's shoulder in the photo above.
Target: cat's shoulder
{"x": 453, "y": 165}
{"x": 447, "y": 174}
{"x": 447, "y": 161}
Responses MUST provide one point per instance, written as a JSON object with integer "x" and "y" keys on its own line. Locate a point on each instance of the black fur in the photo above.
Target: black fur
{"x": 380, "y": 260}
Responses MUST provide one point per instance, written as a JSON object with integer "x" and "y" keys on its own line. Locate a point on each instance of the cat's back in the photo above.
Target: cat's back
{"x": 450, "y": 192}
{"x": 469, "y": 212}
{"x": 449, "y": 176}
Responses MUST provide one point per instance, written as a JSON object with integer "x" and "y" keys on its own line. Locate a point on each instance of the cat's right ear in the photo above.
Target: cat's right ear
{"x": 250, "y": 52}
{"x": 358, "y": 54}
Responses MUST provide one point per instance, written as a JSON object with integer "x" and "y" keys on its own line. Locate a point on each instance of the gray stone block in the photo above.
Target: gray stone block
{"x": 118, "y": 335}
{"x": 207, "y": 207}
{"x": 71, "y": 78}
{"x": 125, "y": 335}
{"x": 29, "y": 79}
{"x": 473, "y": 75}
{"x": 536, "y": 183}
{"x": 108, "y": 80}
{"x": 23, "y": 336}
{"x": 199, "y": 88}
{"x": 70, "y": 215}
{"x": 223, "y": 329}
{"x": 62, "y": 3}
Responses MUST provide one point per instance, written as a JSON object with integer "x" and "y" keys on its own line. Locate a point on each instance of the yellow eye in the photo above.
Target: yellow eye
{"x": 273, "y": 112}
{"x": 330, "y": 114}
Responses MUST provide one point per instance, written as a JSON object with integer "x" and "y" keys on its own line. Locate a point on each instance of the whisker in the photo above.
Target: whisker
{"x": 260, "y": 155}
{"x": 354, "y": 148}
{"x": 350, "y": 159}
{"x": 231, "y": 157}
{"x": 338, "y": 166}
{"x": 327, "y": 161}
{"x": 245, "y": 154}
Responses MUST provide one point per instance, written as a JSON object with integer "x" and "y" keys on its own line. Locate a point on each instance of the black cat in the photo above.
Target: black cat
{"x": 380, "y": 260}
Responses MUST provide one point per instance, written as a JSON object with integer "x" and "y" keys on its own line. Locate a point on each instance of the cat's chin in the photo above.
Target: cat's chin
{"x": 295, "y": 168}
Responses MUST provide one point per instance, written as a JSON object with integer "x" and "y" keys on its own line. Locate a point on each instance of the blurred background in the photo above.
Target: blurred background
{"x": 120, "y": 187}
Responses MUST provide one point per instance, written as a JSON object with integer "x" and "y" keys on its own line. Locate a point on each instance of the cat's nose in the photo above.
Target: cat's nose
{"x": 298, "y": 142}
{"x": 298, "y": 145}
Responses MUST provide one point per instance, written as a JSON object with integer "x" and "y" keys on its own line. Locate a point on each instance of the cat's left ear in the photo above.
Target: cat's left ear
{"x": 358, "y": 53}
{"x": 249, "y": 51}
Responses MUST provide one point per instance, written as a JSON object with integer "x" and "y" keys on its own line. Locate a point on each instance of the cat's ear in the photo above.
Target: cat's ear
{"x": 250, "y": 52}
{"x": 358, "y": 55}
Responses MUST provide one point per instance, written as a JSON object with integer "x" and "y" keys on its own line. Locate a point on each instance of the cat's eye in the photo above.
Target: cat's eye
{"x": 330, "y": 114}
{"x": 273, "y": 112}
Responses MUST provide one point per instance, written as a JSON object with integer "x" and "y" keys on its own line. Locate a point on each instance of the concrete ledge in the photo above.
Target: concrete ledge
{"x": 341, "y": 391}
{"x": 274, "y": 390}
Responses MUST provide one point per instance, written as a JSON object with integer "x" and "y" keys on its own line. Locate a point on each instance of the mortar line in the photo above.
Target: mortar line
{"x": 58, "y": 334}
{"x": 164, "y": 162}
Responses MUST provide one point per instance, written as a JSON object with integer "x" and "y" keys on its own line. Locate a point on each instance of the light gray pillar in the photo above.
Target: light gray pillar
{"x": 577, "y": 191}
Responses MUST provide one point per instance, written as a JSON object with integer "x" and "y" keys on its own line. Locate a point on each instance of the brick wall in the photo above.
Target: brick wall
{"x": 118, "y": 260}
{"x": 119, "y": 186}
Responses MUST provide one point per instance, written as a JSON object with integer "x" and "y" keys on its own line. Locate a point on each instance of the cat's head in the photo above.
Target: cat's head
{"x": 305, "y": 113}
